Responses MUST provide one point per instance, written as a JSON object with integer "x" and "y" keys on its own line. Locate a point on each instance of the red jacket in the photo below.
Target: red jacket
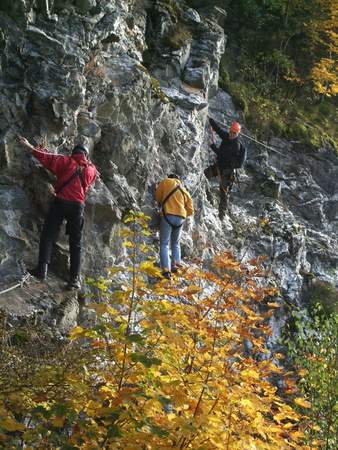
{"x": 63, "y": 167}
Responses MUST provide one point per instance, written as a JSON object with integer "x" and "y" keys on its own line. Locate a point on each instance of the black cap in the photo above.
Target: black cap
{"x": 173, "y": 175}
{"x": 80, "y": 148}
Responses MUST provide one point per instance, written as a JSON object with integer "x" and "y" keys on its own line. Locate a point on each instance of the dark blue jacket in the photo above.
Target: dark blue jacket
{"x": 231, "y": 154}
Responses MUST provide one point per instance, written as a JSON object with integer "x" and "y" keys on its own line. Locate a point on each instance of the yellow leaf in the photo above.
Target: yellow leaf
{"x": 263, "y": 222}
{"x": 105, "y": 392}
{"x": 102, "y": 308}
{"x": 76, "y": 332}
{"x": 9, "y": 424}
{"x": 128, "y": 244}
{"x": 192, "y": 290}
{"x": 250, "y": 373}
{"x": 149, "y": 268}
{"x": 125, "y": 233}
{"x": 297, "y": 435}
{"x": 274, "y": 429}
{"x": 129, "y": 219}
{"x": 288, "y": 425}
{"x": 248, "y": 404}
{"x": 58, "y": 422}
{"x": 317, "y": 442}
{"x": 302, "y": 402}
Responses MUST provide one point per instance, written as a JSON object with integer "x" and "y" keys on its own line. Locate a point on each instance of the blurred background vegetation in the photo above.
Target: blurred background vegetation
{"x": 280, "y": 66}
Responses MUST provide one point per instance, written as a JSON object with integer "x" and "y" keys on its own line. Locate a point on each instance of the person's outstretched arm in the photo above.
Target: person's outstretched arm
{"x": 51, "y": 162}
{"x": 219, "y": 130}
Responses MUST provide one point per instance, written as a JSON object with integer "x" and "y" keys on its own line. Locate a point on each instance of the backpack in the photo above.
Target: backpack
{"x": 239, "y": 159}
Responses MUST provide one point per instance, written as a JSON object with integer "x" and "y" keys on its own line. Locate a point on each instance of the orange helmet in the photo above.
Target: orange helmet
{"x": 235, "y": 127}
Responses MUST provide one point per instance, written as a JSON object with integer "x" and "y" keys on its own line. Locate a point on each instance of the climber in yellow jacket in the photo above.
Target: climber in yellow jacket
{"x": 176, "y": 206}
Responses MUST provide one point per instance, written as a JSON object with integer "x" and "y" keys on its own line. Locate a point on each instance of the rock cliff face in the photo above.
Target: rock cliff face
{"x": 136, "y": 81}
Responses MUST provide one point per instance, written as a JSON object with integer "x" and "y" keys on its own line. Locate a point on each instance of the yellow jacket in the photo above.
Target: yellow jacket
{"x": 179, "y": 203}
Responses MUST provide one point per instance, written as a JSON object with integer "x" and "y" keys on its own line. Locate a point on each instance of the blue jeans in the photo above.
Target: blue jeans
{"x": 170, "y": 235}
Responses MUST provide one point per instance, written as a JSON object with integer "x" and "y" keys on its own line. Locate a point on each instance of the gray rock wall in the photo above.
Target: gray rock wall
{"x": 136, "y": 81}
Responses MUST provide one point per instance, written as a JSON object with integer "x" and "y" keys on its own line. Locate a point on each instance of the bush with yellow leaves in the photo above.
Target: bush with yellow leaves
{"x": 164, "y": 367}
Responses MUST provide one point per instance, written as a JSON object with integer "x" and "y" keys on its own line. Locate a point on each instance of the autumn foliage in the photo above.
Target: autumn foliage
{"x": 312, "y": 339}
{"x": 280, "y": 67}
{"x": 324, "y": 73}
{"x": 178, "y": 364}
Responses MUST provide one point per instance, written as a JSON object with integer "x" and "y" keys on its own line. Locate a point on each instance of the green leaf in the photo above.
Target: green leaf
{"x": 60, "y": 409}
{"x": 165, "y": 401}
{"x": 114, "y": 431}
{"x": 147, "y": 362}
{"x": 160, "y": 432}
{"x": 41, "y": 410}
{"x": 137, "y": 338}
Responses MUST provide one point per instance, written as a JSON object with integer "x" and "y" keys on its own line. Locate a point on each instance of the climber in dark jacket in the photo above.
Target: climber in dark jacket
{"x": 74, "y": 175}
{"x": 231, "y": 154}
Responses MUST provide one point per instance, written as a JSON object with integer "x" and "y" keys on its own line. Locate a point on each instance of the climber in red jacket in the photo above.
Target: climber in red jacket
{"x": 74, "y": 175}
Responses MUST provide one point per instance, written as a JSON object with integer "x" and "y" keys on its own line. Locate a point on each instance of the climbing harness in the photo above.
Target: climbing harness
{"x": 225, "y": 189}
{"x": 24, "y": 281}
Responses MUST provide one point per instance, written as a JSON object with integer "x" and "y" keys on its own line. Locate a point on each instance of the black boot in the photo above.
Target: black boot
{"x": 40, "y": 272}
{"x": 166, "y": 275}
{"x": 74, "y": 282}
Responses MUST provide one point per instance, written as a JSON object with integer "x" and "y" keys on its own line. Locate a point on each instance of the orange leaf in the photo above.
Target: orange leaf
{"x": 274, "y": 305}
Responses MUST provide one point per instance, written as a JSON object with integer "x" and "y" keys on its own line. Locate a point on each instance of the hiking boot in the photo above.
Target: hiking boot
{"x": 40, "y": 272}
{"x": 221, "y": 214}
{"x": 176, "y": 266}
{"x": 74, "y": 283}
{"x": 166, "y": 275}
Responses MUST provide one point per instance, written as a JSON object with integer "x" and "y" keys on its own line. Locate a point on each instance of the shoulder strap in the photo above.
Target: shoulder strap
{"x": 77, "y": 172}
{"x": 82, "y": 181}
{"x": 177, "y": 188}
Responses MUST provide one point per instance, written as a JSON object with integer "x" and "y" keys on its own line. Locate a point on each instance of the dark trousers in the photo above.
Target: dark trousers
{"x": 73, "y": 213}
{"x": 226, "y": 179}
